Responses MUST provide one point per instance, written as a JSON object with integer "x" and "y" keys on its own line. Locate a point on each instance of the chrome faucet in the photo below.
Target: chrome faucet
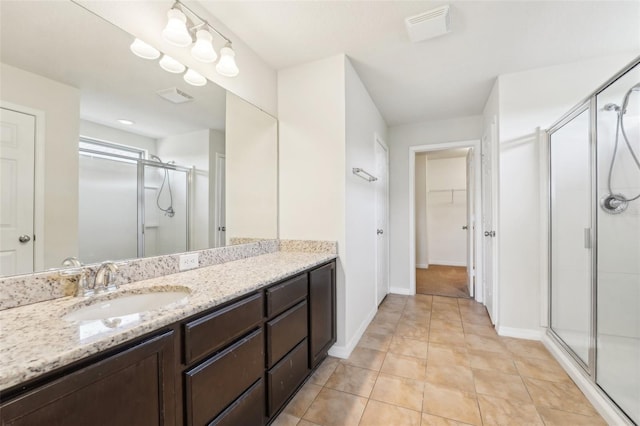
{"x": 72, "y": 261}
{"x": 104, "y": 277}
{"x": 76, "y": 270}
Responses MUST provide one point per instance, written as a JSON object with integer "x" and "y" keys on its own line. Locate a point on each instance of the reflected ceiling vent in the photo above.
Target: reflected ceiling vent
{"x": 175, "y": 95}
{"x": 430, "y": 24}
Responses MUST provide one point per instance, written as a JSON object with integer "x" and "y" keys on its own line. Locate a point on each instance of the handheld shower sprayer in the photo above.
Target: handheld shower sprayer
{"x": 169, "y": 211}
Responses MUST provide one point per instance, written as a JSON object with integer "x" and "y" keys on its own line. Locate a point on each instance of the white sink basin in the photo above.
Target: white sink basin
{"x": 127, "y": 304}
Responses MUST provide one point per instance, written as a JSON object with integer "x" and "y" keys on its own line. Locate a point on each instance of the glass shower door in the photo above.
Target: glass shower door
{"x": 618, "y": 263}
{"x": 570, "y": 219}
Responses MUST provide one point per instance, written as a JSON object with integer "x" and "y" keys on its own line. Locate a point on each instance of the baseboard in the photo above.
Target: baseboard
{"x": 521, "y": 333}
{"x": 447, "y": 263}
{"x": 340, "y": 351}
{"x": 422, "y": 266}
{"x": 607, "y": 409}
{"x": 400, "y": 290}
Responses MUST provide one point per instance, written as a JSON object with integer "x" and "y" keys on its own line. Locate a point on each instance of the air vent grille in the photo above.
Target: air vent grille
{"x": 175, "y": 95}
{"x": 430, "y": 24}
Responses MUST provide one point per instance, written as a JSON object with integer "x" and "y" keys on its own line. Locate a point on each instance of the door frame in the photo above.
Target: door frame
{"x": 477, "y": 208}
{"x": 38, "y": 181}
{"x": 217, "y": 211}
{"x": 378, "y": 140}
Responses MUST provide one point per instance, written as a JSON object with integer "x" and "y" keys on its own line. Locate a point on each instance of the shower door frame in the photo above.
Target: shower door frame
{"x": 141, "y": 200}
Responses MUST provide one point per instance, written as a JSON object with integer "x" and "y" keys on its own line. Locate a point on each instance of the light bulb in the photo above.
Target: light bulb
{"x": 194, "y": 78}
{"x": 203, "y": 50}
{"x": 169, "y": 64}
{"x": 176, "y": 30}
{"x": 227, "y": 64}
{"x": 143, "y": 50}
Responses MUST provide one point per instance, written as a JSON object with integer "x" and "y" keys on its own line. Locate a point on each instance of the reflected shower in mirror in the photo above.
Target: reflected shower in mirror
{"x": 116, "y": 158}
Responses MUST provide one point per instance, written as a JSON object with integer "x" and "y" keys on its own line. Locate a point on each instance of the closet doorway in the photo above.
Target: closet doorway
{"x": 446, "y": 205}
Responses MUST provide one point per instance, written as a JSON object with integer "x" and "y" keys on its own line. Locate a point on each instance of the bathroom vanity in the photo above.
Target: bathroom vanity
{"x": 236, "y": 362}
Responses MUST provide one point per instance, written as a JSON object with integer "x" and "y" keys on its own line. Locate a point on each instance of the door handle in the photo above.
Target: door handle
{"x": 465, "y": 227}
{"x": 222, "y": 228}
{"x": 379, "y": 232}
{"x": 489, "y": 233}
{"x": 24, "y": 238}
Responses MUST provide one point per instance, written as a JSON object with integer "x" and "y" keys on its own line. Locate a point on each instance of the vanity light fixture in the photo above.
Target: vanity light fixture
{"x": 194, "y": 78}
{"x": 143, "y": 50}
{"x": 203, "y": 49}
{"x": 176, "y": 31}
{"x": 169, "y": 64}
{"x": 227, "y": 64}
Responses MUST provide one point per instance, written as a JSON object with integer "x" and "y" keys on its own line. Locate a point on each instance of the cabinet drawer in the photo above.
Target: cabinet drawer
{"x": 214, "y": 384}
{"x": 246, "y": 410}
{"x": 286, "y": 331}
{"x": 214, "y": 331}
{"x": 284, "y": 295}
{"x": 286, "y": 376}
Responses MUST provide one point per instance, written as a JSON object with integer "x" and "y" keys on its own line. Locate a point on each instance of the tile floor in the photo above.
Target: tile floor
{"x": 431, "y": 360}
{"x": 442, "y": 280}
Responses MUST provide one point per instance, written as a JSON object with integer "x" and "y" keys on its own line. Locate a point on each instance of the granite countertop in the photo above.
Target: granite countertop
{"x": 35, "y": 339}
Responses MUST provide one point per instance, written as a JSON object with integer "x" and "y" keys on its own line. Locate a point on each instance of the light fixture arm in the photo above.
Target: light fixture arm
{"x": 202, "y": 23}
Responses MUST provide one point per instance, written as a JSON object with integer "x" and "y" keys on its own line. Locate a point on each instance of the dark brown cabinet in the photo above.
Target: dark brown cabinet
{"x": 322, "y": 312}
{"x": 135, "y": 387}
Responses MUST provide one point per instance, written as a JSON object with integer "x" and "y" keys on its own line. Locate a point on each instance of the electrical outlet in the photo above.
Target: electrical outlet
{"x": 188, "y": 261}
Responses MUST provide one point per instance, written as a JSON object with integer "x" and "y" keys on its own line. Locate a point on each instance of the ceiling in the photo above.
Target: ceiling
{"x": 445, "y": 77}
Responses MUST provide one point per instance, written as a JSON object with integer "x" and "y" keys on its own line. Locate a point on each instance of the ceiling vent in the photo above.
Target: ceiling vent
{"x": 430, "y": 24}
{"x": 175, "y": 95}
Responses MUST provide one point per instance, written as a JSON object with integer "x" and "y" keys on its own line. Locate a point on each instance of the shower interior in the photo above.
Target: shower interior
{"x": 594, "y": 274}
{"x": 129, "y": 206}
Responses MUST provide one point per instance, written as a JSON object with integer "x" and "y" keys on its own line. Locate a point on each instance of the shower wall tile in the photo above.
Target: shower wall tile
{"x": 32, "y": 288}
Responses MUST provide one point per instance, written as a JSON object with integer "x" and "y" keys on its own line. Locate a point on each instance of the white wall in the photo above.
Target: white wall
{"x": 61, "y": 106}
{"x": 311, "y": 112}
{"x": 251, "y": 171}
{"x": 401, "y": 138}
{"x": 527, "y": 100}
{"x": 256, "y": 81}
{"x": 447, "y": 212}
{"x": 192, "y": 150}
{"x": 216, "y": 145}
{"x": 101, "y": 132}
{"x": 422, "y": 232}
{"x": 363, "y": 122}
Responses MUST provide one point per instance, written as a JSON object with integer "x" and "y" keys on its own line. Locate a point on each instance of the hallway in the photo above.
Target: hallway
{"x": 430, "y": 360}
{"x": 442, "y": 280}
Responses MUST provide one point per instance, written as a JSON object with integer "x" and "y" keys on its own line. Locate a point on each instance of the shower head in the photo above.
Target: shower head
{"x": 155, "y": 157}
{"x": 635, "y": 88}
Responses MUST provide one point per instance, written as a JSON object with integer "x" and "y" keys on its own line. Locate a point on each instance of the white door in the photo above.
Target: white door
{"x": 220, "y": 218}
{"x": 489, "y": 197}
{"x": 470, "y": 226}
{"x": 382, "y": 235}
{"x": 17, "y": 149}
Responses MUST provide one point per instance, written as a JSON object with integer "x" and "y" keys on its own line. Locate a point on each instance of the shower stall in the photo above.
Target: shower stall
{"x": 129, "y": 206}
{"x": 594, "y": 262}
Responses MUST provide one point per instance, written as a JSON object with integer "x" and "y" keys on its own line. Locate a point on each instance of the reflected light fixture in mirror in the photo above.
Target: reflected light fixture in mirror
{"x": 194, "y": 78}
{"x": 169, "y": 64}
{"x": 143, "y": 50}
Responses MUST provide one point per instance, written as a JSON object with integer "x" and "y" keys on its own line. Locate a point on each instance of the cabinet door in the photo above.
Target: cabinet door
{"x": 322, "y": 312}
{"x": 132, "y": 387}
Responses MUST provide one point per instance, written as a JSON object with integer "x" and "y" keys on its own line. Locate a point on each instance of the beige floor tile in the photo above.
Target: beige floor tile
{"x": 409, "y": 347}
{"x": 430, "y": 420}
{"x": 452, "y": 376}
{"x": 479, "y": 319}
{"x": 484, "y": 343}
{"x": 285, "y": 419}
{"x": 366, "y": 358}
{"x": 413, "y": 331}
{"x": 472, "y": 308}
{"x": 453, "y": 326}
{"x": 380, "y": 414}
{"x": 390, "y": 316}
{"x": 526, "y": 348}
{"x": 398, "y": 391}
{"x": 355, "y": 380}
{"x": 500, "y": 411}
{"x": 381, "y": 327}
{"x": 447, "y": 355}
{"x": 553, "y": 417}
{"x": 303, "y": 399}
{"x": 543, "y": 369}
{"x": 445, "y": 315}
{"x": 421, "y": 317}
{"x": 502, "y": 385}
{"x": 445, "y": 300}
{"x": 379, "y": 342}
{"x": 451, "y": 403}
{"x": 404, "y": 366}
{"x": 561, "y": 396}
{"x": 492, "y": 361}
{"x": 480, "y": 330}
{"x": 324, "y": 371}
{"x": 332, "y": 407}
{"x": 447, "y": 337}
{"x": 304, "y": 422}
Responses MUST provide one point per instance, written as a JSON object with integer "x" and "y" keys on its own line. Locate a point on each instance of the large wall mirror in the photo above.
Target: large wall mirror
{"x": 104, "y": 155}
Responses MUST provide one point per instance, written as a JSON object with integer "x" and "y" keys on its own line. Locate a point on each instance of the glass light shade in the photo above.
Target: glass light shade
{"x": 176, "y": 31}
{"x": 169, "y": 64}
{"x": 143, "y": 50}
{"x": 203, "y": 50}
{"x": 227, "y": 64}
{"x": 194, "y": 78}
